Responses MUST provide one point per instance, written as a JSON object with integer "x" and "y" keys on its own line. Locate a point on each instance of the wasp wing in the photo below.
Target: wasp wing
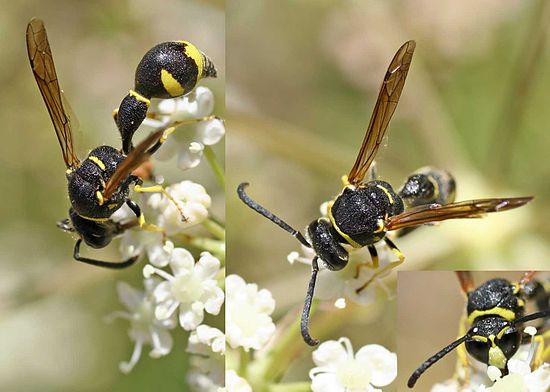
{"x": 466, "y": 281}
{"x": 135, "y": 158}
{"x": 383, "y": 110}
{"x": 40, "y": 56}
{"x": 465, "y": 209}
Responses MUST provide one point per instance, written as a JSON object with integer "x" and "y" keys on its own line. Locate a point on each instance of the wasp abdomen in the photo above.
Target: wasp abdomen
{"x": 168, "y": 70}
{"x": 428, "y": 185}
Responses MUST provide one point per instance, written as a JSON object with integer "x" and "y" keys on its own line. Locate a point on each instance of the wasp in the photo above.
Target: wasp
{"x": 100, "y": 184}
{"x": 365, "y": 211}
{"x": 495, "y": 312}
{"x": 168, "y": 70}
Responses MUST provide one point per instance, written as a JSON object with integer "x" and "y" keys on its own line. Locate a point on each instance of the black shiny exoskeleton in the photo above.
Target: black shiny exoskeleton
{"x": 100, "y": 184}
{"x": 495, "y": 312}
{"x": 363, "y": 213}
{"x": 169, "y": 70}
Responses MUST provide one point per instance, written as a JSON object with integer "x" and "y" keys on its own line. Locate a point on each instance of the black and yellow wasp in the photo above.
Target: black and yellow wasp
{"x": 495, "y": 313}
{"x": 100, "y": 184}
{"x": 363, "y": 212}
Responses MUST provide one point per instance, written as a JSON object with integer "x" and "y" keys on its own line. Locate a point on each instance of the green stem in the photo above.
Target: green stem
{"x": 216, "y": 247}
{"x": 215, "y": 228}
{"x": 290, "y": 387}
{"x": 216, "y": 167}
{"x": 274, "y": 363}
{"x": 244, "y": 360}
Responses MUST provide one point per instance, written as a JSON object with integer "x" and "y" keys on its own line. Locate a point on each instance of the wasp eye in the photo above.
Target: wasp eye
{"x": 509, "y": 343}
{"x": 479, "y": 350}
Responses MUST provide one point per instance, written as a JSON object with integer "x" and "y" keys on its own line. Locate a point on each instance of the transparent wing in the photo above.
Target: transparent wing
{"x": 40, "y": 56}
{"x": 466, "y": 281}
{"x": 464, "y": 209}
{"x": 391, "y": 89}
{"x": 135, "y": 158}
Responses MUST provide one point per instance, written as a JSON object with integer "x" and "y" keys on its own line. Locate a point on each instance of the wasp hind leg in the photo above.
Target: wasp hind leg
{"x": 99, "y": 263}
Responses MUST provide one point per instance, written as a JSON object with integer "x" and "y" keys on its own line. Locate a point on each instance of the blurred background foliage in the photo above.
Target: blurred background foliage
{"x": 303, "y": 79}
{"x": 52, "y": 329}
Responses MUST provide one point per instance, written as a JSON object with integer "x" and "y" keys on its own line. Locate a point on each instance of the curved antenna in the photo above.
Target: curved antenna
{"x": 533, "y": 316}
{"x": 304, "y": 323}
{"x": 433, "y": 359}
{"x": 269, "y": 215}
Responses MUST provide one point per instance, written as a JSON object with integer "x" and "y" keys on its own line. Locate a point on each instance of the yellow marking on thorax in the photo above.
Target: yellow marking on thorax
{"x": 345, "y": 181}
{"x": 112, "y": 206}
{"x": 504, "y": 313}
{"x": 97, "y": 161}
{"x": 99, "y": 197}
{"x": 140, "y": 97}
{"x": 333, "y": 222}
{"x": 94, "y": 219}
{"x": 170, "y": 83}
{"x": 197, "y": 56}
{"x": 388, "y": 194}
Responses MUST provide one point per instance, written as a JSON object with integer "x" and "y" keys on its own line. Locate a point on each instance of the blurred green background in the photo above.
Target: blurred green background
{"x": 52, "y": 332}
{"x": 303, "y": 79}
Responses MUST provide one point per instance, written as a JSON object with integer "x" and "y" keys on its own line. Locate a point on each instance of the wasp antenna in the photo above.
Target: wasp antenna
{"x": 269, "y": 215}
{"x": 433, "y": 359}
{"x": 307, "y": 305}
{"x": 534, "y": 316}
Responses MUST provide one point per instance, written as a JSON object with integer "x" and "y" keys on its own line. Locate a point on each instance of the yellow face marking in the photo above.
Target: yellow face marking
{"x": 388, "y": 194}
{"x": 333, "y": 222}
{"x": 139, "y": 97}
{"x": 99, "y": 197}
{"x": 504, "y": 313}
{"x": 171, "y": 85}
{"x": 97, "y": 161}
{"x": 480, "y": 338}
{"x": 497, "y": 357}
{"x": 501, "y": 333}
{"x": 197, "y": 56}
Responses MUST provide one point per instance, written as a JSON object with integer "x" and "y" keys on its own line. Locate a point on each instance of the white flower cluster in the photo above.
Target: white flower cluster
{"x": 179, "y": 290}
{"x": 340, "y": 370}
{"x": 188, "y": 146}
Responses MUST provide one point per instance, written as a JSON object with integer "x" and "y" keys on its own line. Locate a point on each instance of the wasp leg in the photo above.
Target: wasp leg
{"x": 542, "y": 352}
{"x": 172, "y": 128}
{"x": 160, "y": 189}
{"x": 99, "y": 263}
{"x": 386, "y": 268}
{"x": 304, "y": 324}
{"x": 141, "y": 219}
{"x": 374, "y": 261}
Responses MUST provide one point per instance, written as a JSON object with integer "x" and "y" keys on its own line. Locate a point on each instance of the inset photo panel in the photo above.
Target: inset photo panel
{"x": 471, "y": 331}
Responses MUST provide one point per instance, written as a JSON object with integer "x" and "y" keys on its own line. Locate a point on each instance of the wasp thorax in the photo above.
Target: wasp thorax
{"x": 358, "y": 213}
{"x": 88, "y": 181}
